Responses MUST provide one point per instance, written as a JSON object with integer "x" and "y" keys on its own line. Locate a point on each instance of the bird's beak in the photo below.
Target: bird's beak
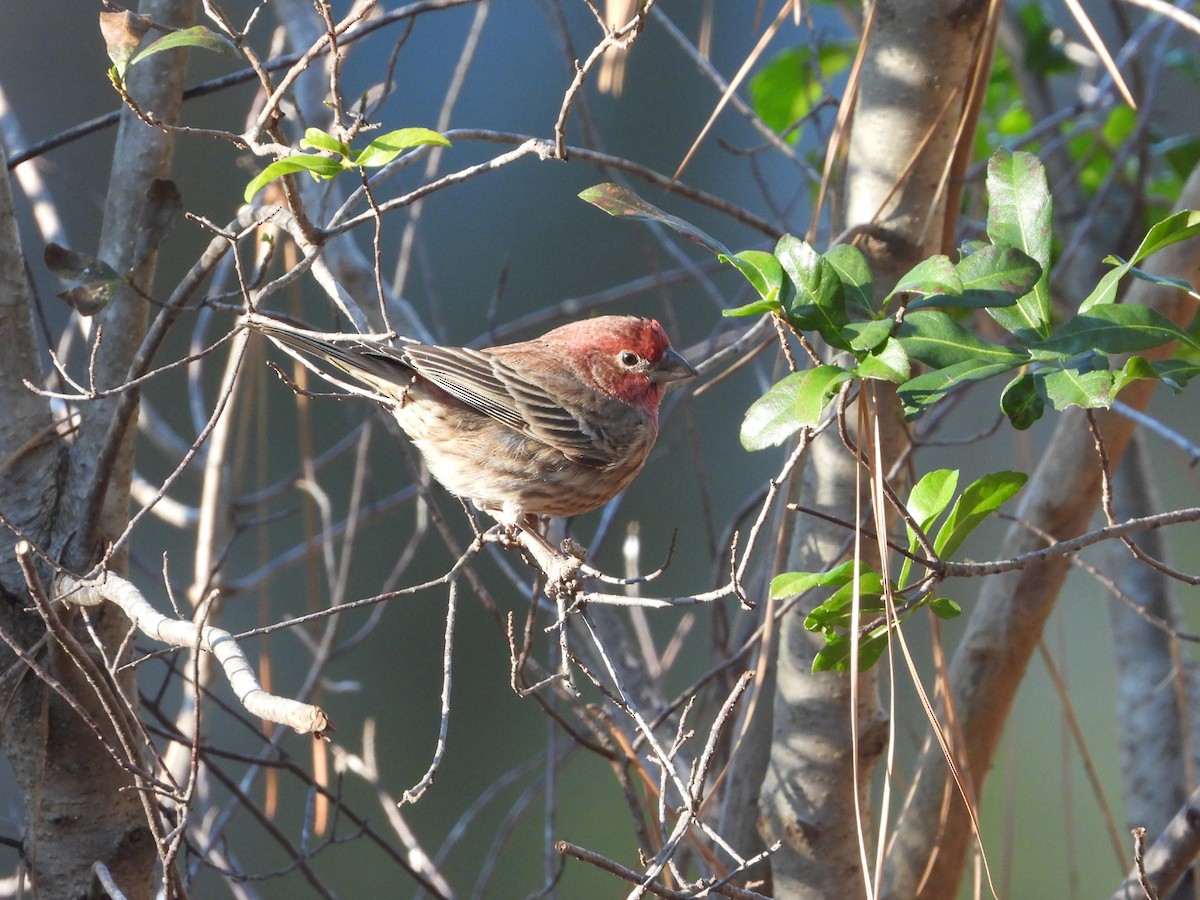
{"x": 673, "y": 367}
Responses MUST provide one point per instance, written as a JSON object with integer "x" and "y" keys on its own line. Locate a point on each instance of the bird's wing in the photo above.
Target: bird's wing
{"x": 380, "y": 368}
{"x": 486, "y": 382}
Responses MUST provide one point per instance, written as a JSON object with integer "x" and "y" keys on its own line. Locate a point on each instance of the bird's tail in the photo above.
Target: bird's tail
{"x": 379, "y": 368}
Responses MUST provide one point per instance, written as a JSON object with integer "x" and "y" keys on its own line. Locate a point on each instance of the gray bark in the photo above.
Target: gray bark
{"x": 1154, "y": 691}
{"x": 82, "y": 806}
{"x": 903, "y": 145}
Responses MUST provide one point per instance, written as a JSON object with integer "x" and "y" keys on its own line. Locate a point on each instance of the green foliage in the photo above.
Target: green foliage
{"x": 789, "y": 87}
{"x": 1005, "y": 117}
{"x": 197, "y": 36}
{"x": 921, "y": 321}
{"x": 1041, "y": 41}
{"x": 1019, "y": 215}
{"x": 1099, "y": 141}
{"x": 379, "y": 152}
{"x": 980, "y": 499}
{"x": 123, "y": 32}
{"x": 1171, "y": 230}
{"x": 836, "y": 618}
{"x": 795, "y": 401}
{"x": 831, "y": 294}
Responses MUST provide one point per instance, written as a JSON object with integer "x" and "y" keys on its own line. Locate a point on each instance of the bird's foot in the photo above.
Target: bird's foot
{"x": 561, "y": 568}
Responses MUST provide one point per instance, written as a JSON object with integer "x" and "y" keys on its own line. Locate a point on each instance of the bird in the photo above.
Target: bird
{"x": 553, "y": 426}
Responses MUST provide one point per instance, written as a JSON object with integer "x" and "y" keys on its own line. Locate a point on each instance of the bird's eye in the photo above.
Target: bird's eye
{"x": 629, "y": 359}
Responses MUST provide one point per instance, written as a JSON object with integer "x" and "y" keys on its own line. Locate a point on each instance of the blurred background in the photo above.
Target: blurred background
{"x": 518, "y": 246}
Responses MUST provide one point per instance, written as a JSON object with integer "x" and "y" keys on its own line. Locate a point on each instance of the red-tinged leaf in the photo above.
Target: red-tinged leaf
{"x": 623, "y": 203}
{"x": 122, "y": 32}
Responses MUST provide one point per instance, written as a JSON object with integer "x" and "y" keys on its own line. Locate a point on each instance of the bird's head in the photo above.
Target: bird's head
{"x": 627, "y": 357}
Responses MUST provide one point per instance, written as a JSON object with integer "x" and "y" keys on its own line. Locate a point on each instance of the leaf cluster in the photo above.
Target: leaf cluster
{"x": 123, "y": 32}
{"x": 920, "y": 320}
{"x": 917, "y": 337}
{"x": 334, "y": 156}
{"x": 860, "y": 593}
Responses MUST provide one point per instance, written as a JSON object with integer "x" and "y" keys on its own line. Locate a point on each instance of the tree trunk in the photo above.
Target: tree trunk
{"x": 912, "y": 111}
{"x": 83, "y": 803}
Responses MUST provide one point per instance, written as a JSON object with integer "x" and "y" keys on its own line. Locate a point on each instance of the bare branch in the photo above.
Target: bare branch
{"x": 111, "y": 588}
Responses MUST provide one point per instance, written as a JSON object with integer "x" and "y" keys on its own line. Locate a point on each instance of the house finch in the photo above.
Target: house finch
{"x": 554, "y": 426}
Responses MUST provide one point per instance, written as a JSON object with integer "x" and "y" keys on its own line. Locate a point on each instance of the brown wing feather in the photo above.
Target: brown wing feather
{"x": 489, "y": 384}
{"x": 482, "y": 380}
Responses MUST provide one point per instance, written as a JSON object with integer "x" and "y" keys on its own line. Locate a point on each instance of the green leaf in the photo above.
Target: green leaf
{"x": 855, "y": 275}
{"x": 1105, "y": 291}
{"x": 1119, "y": 126}
{"x": 1171, "y": 230}
{"x": 835, "y": 655}
{"x": 819, "y": 302}
{"x": 196, "y": 36}
{"x": 1115, "y": 328}
{"x": 753, "y": 274}
{"x": 1086, "y": 387}
{"x": 1136, "y": 368}
{"x": 618, "y": 201}
{"x": 1022, "y": 401}
{"x": 982, "y": 498}
{"x": 928, "y": 499}
{"x": 886, "y": 363}
{"x": 1019, "y": 215}
{"x": 387, "y": 147}
{"x": 919, "y": 393}
{"x": 945, "y": 608}
{"x": 784, "y": 90}
{"x": 1176, "y": 373}
{"x": 935, "y": 275}
{"x": 939, "y": 341}
{"x": 835, "y": 617}
{"x": 754, "y": 308}
{"x": 1041, "y": 41}
{"x": 930, "y": 496}
{"x": 764, "y": 273}
{"x": 1181, "y": 284}
{"x": 866, "y": 336}
{"x": 317, "y": 139}
{"x": 1181, "y": 153}
{"x": 789, "y": 584}
{"x": 993, "y": 276}
{"x": 838, "y": 611}
{"x": 790, "y": 404}
{"x": 317, "y": 166}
